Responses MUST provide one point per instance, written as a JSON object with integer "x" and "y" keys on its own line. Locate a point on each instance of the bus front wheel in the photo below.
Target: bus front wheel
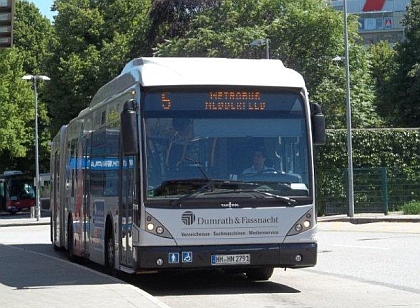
{"x": 262, "y": 273}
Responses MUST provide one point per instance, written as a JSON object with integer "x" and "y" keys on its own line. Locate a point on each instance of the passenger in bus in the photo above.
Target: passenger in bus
{"x": 258, "y": 165}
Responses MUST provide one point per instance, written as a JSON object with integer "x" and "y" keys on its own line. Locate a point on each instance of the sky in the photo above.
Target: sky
{"x": 44, "y": 6}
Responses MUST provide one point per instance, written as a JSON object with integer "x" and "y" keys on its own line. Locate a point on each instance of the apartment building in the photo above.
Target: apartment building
{"x": 378, "y": 19}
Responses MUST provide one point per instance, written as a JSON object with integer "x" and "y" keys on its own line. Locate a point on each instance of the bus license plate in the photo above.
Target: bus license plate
{"x": 230, "y": 259}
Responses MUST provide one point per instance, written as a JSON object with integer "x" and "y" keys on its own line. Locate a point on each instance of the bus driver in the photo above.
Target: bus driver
{"x": 258, "y": 164}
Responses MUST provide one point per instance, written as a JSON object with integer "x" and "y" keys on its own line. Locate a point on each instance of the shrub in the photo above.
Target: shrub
{"x": 411, "y": 208}
{"x": 397, "y": 150}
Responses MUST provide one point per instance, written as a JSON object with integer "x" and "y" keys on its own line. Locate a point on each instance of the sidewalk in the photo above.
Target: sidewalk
{"x": 17, "y": 222}
{"x": 371, "y": 218}
{"x": 35, "y": 280}
{"x": 23, "y": 219}
{"x": 30, "y": 278}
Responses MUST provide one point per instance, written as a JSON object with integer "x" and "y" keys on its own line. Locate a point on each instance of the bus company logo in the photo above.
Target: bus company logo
{"x": 188, "y": 218}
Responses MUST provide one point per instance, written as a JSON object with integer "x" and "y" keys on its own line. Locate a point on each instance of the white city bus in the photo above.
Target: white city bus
{"x": 150, "y": 177}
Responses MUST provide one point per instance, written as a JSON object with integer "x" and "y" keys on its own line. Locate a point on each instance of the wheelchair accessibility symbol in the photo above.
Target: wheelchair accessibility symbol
{"x": 187, "y": 257}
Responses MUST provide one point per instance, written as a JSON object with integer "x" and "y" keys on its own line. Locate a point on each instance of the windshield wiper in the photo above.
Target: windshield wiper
{"x": 221, "y": 191}
{"x": 177, "y": 202}
{"x": 208, "y": 186}
{"x": 289, "y": 200}
{"x": 198, "y": 165}
{"x": 215, "y": 186}
{"x": 211, "y": 185}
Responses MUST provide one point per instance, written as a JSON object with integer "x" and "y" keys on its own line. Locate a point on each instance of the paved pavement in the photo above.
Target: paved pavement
{"x": 23, "y": 220}
{"x": 70, "y": 285}
{"x": 371, "y": 217}
{"x": 392, "y": 223}
{"x": 37, "y": 280}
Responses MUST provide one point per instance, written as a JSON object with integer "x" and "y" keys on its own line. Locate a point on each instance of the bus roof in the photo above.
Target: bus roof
{"x": 212, "y": 71}
{"x": 12, "y": 172}
{"x": 171, "y": 71}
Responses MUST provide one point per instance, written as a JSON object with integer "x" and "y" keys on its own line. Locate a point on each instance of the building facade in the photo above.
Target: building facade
{"x": 379, "y": 20}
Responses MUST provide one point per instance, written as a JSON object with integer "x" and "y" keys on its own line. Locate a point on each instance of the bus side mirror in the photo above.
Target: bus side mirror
{"x": 129, "y": 129}
{"x": 318, "y": 125}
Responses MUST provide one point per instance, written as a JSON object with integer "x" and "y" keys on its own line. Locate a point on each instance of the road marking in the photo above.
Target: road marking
{"x": 363, "y": 247}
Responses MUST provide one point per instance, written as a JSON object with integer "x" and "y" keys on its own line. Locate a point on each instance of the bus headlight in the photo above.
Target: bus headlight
{"x": 307, "y": 224}
{"x": 303, "y": 224}
{"x": 153, "y": 226}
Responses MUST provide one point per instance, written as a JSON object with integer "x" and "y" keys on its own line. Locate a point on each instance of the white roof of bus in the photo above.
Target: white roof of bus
{"x": 150, "y": 72}
{"x": 212, "y": 71}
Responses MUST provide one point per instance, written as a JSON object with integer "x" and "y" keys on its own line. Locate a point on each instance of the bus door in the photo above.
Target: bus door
{"x": 86, "y": 193}
{"x": 126, "y": 211}
{"x": 57, "y": 214}
{"x": 2, "y": 195}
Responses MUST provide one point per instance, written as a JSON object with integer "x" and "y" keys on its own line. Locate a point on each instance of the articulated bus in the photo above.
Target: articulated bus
{"x": 152, "y": 175}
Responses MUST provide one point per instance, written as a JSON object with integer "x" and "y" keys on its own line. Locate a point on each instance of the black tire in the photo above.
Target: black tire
{"x": 109, "y": 248}
{"x": 262, "y": 273}
{"x": 52, "y": 226}
{"x": 70, "y": 240}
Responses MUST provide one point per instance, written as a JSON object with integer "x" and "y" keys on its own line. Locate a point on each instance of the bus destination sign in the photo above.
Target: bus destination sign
{"x": 209, "y": 100}
{"x": 233, "y": 100}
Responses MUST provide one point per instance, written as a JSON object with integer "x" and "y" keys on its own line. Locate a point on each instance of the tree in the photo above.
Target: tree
{"x": 32, "y": 36}
{"x": 305, "y": 34}
{"x": 383, "y": 66}
{"x": 16, "y": 105}
{"x": 404, "y": 97}
{"x": 95, "y": 41}
{"x": 172, "y": 18}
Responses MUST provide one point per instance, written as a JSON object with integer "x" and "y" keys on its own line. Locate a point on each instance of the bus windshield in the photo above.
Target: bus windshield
{"x": 209, "y": 142}
{"x": 16, "y": 192}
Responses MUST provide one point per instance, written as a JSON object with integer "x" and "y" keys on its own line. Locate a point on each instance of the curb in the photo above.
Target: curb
{"x": 22, "y": 224}
{"x": 371, "y": 219}
{"x": 24, "y": 221}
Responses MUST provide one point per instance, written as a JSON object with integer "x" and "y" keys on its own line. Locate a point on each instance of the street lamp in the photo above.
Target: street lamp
{"x": 348, "y": 119}
{"x": 350, "y": 189}
{"x": 260, "y": 42}
{"x": 34, "y": 79}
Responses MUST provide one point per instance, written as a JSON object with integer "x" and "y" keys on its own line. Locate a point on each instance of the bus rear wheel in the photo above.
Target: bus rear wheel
{"x": 262, "y": 273}
{"x": 109, "y": 247}
{"x": 70, "y": 241}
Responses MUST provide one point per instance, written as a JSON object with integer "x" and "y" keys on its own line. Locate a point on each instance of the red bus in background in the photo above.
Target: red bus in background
{"x": 17, "y": 192}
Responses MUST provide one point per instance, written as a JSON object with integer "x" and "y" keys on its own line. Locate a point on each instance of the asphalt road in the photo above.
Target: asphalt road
{"x": 386, "y": 255}
{"x": 370, "y": 265}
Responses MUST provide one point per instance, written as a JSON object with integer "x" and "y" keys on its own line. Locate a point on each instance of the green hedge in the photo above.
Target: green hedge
{"x": 411, "y": 208}
{"x": 398, "y": 150}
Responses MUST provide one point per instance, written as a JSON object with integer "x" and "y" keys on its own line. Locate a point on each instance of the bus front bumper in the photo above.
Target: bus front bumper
{"x": 227, "y": 257}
